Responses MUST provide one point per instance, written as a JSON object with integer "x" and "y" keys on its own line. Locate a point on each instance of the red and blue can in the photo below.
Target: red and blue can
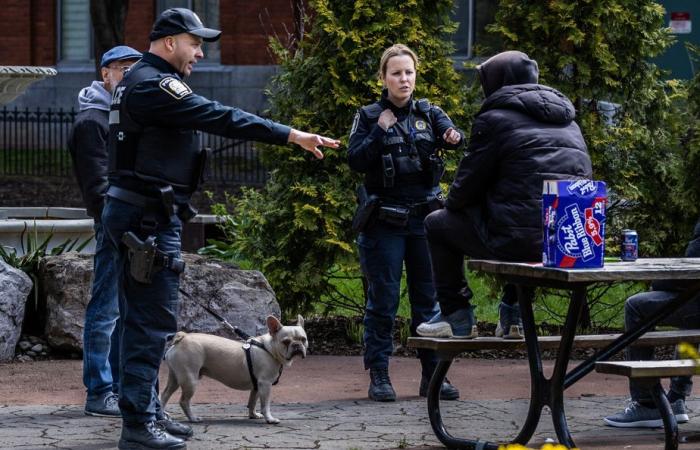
{"x": 630, "y": 245}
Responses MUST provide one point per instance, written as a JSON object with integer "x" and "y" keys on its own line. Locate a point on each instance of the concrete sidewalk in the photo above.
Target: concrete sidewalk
{"x": 322, "y": 404}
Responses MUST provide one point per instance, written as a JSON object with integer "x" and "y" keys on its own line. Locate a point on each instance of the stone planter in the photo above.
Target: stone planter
{"x": 61, "y": 223}
{"x": 14, "y": 80}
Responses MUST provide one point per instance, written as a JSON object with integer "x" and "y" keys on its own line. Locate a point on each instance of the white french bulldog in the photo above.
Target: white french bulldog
{"x": 193, "y": 355}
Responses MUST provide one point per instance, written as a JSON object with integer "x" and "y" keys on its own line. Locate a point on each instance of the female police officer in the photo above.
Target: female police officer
{"x": 394, "y": 143}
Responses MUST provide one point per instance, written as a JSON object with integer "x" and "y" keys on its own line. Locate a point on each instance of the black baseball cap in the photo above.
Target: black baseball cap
{"x": 181, "y": 20}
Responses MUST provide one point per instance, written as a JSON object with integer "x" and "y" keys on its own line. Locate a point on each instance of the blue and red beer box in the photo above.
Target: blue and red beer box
{"x": 573, "y": 218}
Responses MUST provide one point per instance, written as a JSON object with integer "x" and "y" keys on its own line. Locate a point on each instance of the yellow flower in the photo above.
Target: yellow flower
{"x": 688, "y": 351}
{"x": 544, "y": 447}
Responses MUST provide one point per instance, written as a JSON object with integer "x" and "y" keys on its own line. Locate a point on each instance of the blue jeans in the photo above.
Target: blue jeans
{"x": 148, "y": 311}
{"x": 101, "y": 332}
{"x": 383, "y": 251}
{"x": 643, "y": 305}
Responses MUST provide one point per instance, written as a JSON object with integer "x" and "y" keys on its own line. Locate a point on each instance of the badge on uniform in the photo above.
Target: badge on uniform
{"x": 175, "y": 87}
{"x": 420, "y": 125}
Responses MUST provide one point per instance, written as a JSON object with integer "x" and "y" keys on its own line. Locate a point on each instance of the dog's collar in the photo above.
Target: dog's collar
{"x": 249, "y": 360}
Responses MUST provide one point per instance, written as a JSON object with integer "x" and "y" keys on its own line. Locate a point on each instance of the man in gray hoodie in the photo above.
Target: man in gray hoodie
{"x": 88, "y": 147}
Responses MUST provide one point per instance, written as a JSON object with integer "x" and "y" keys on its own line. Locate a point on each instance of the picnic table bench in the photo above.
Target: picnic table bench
{"x": 550, "y": 391}
{"x": 647, "y": 374}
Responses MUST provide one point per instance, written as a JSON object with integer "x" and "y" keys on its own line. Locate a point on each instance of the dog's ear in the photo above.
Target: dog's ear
{"x": 273, "y": 324}
{"x": 300, "y": 321}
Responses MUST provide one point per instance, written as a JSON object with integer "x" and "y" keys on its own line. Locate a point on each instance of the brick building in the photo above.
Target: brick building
{"x": 58, "y": 33}
{"x": 235, "y": 70}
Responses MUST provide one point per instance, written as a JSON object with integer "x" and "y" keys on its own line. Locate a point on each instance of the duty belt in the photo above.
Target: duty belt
{"x": 152, "y": 205}
{"x": 414, "y": 209}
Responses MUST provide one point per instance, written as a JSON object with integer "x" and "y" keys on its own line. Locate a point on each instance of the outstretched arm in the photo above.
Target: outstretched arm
{"x": 310, "y": 142}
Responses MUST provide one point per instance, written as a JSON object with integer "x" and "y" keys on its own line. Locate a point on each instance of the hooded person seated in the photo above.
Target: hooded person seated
{"x": 523, "y": 134}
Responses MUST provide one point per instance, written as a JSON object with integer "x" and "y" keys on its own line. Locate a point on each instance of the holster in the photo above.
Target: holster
{"x": 146, "y": 259}
{"x": 366, "y": 206}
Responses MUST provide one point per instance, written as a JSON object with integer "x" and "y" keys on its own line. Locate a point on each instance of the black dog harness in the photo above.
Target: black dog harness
{"x": 249, "y": 340}
{"x": 249, "y": 361}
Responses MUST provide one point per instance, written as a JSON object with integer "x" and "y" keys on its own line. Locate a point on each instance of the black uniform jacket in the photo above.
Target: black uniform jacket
{"x": 366, "y": 146}
{"x": 153, "y": 103}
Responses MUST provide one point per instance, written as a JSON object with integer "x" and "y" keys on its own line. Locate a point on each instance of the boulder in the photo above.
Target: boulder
{"x": 66, "y": 281}
{"x": 15, "y": 286}
{"x": 243, "y": 297}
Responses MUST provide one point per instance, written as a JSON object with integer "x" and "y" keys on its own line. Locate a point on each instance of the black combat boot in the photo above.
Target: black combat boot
{"x": 173, "y": 427}
{"x": 380, "y": 389}
{"x": 447, "y": 391}
{"x": 149, "y": 435}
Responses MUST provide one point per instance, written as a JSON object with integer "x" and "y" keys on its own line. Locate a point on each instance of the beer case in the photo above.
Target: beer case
{"x": 573, "y": 219}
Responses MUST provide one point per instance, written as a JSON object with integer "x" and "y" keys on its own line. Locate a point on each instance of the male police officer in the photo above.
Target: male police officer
{"x": 155, "y": 165}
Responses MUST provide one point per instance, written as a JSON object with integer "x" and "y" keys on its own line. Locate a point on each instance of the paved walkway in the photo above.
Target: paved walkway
{"x": 322, "y": 404}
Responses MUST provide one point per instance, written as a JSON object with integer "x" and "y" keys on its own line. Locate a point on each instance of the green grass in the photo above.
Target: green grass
{"x": 606, "y": 301}
{"x": 35, "y": 162}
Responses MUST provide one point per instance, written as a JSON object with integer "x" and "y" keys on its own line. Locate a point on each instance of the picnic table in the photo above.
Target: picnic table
{"x": 550, "y": 391}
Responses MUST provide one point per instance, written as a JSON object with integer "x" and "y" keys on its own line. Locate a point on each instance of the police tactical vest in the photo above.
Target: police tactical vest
{"x": 410, "y": 142}
{"x": 165, "y": 156}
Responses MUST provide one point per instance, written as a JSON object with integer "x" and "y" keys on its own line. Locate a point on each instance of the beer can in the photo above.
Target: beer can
{"x": 629, "y": 245}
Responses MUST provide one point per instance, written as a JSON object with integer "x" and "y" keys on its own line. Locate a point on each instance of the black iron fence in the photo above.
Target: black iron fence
{"x": 34, "y": 143}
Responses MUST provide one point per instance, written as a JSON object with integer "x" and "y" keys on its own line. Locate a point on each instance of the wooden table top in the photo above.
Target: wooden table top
{"x": 639, "y": 270}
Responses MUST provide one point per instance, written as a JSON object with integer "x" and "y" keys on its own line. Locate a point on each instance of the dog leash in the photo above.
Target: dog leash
{"x": 243, "y": 335}
{"x": 240, "y": 333}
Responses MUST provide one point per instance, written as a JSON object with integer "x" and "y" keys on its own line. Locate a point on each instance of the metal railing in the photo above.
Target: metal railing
{"x": 34, "y": 143}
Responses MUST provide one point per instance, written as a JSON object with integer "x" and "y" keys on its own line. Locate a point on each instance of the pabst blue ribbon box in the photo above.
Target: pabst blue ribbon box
{"x": 573, "y": 218}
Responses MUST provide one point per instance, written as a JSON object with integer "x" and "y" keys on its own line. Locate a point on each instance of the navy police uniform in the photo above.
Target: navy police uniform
{"x": 155, "y": 163}
{"x": 401, "y": 166}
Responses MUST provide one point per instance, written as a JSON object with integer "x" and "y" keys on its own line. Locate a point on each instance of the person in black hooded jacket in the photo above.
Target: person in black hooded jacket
{"x": 523, "y": 134}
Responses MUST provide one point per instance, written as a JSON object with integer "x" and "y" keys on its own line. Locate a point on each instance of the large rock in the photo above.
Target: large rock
{"x": 243, "y": 297}
{"x": 66, "y": 281}
{"x": 15, "y": 286}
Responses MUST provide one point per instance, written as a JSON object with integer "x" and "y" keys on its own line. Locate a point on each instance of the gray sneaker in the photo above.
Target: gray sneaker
{"x": 510, "y": 325}
{"x": 104, "y": 405}
{"x": 637, "y": 415}
{"x": 459, "y": 324}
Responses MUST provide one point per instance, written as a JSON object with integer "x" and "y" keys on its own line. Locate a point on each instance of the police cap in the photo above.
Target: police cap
{"x": 181, "y": 20}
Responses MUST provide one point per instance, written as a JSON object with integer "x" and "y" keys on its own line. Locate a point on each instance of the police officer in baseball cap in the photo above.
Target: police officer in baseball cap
{"x": 154, "y": 167}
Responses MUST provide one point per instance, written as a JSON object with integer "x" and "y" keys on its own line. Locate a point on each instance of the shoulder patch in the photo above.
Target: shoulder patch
{"x": 175, "y": 87}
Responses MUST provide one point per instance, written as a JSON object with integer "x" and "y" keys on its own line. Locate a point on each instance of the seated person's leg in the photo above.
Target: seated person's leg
{"x": 451, "y": 235}
{"x": 641, "y": 411}
{"x": 510, "y": 324}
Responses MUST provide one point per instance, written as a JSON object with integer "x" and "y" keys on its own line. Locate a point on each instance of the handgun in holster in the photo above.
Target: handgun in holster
{"x": 366, "y": 206}
{"x": 436, "y": 200}
{"x": 146, "y": 259}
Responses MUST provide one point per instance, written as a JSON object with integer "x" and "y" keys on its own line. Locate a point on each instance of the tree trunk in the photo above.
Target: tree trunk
{"x": 108, "y": 17}
{"x": 298, "y": 33}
